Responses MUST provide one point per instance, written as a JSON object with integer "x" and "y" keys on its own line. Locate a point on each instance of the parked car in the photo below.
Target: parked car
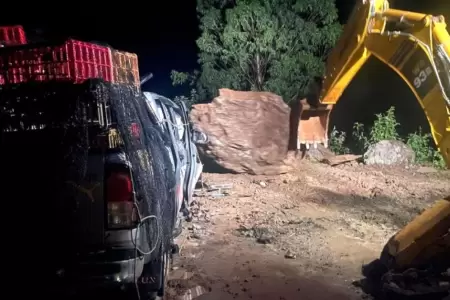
{"x": 173, "y": 119}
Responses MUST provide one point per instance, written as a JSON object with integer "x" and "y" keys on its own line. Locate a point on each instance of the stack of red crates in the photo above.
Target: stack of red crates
{"x": 125, "y": 68}
{"x": 12, "y": 36}
{"x": 73, "y": 60}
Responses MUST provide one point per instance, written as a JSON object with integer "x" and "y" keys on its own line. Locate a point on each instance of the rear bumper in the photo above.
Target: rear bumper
{"x": 123, "y": 271}
{"x": 106, "y": 270}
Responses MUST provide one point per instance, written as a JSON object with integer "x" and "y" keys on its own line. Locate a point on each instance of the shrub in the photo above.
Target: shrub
{"x": 420, "y": 143}
{"x": 384, "y": 127}
{"x": 360, "y": 139}
{"x": 337, "y": 142}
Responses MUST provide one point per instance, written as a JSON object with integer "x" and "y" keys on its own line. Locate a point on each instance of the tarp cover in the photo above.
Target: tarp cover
{"x": 47, "y": 129}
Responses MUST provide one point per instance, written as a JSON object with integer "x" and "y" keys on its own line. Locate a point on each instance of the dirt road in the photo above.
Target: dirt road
{"x": 301, "y": 235}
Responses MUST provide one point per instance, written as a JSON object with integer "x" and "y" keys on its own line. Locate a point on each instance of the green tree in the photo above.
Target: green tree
{"x": 264, "y": 45}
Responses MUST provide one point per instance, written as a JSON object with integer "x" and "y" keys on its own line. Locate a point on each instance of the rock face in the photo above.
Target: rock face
{"x": 392, "y": 153}
{"x": 248, "y": 132}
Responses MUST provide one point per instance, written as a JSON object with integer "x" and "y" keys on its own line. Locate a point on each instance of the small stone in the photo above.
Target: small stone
{"x": 262, "y": 184}
{"x": 264, "y": 239}
{"x": 193, "y": 227}
{"x": 196, "y": 236}
{"x": 290, "y": 255}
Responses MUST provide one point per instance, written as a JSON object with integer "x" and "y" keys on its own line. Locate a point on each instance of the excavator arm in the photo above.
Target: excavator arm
{"x": 417, "y": 47}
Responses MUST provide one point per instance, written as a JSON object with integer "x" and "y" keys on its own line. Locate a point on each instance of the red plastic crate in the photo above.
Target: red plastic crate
{"x": 125, "y": 68}
{"x": 73, "y": 61}
{"x": 12, "y": 36}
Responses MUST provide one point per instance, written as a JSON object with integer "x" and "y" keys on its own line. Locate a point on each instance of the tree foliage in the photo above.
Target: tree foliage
{"x": 271, "y": 45}
{"x": 266, "y": 45}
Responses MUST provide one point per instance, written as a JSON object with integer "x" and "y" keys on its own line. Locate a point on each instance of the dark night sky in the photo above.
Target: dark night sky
{"x": 163, "y": 34}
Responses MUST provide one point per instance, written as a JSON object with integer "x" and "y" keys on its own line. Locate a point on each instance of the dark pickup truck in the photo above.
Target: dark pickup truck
{"x": 103, "y": 181}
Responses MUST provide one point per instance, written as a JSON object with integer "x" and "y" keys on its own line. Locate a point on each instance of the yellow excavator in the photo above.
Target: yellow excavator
{"x": 417, "y": 47}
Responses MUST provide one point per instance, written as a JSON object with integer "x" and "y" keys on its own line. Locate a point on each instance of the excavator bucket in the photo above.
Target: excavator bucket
{"x": 309, "y": 125}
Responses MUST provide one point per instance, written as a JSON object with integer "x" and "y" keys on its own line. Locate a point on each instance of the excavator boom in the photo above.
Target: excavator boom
{"x": 417, "y": 47}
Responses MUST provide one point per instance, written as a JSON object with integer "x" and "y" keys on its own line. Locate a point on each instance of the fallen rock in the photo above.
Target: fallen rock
{"x": 248, "y": 132}
{"x": 389, "y": 152}
{"x": 319, "y": 153}
{"x": 341, "y": 159}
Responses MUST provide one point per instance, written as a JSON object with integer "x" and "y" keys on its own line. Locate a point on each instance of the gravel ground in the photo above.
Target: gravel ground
{"x": 303, "y": 235}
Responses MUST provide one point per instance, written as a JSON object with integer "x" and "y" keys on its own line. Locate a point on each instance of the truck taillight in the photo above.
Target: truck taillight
{"x": 120, "y": 201}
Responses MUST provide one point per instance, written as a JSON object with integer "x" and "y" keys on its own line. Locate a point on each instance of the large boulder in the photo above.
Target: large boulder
{"x": 389, "y": 152}
{"x": 248, "y": 132}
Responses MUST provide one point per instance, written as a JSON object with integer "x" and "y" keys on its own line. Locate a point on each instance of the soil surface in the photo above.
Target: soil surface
{"x": 303, "y": 235}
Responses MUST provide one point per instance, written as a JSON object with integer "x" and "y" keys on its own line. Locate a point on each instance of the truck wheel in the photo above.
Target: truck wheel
{"x": 166, "y": 265}
{"x": 178, "y": 229}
